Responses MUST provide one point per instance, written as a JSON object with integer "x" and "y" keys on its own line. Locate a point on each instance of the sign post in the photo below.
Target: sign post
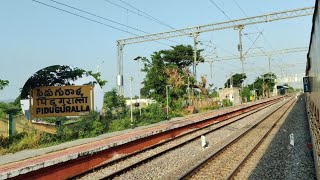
{"x": 306, "y": 85}
{"x": 10, "y": 130}
{"x": 58, "y": 101}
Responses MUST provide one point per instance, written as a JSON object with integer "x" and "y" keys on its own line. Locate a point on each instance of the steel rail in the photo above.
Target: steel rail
{"x": 220, "y": 150}
{"x": 87, "y": 162}
{"x": 142, "y": 161}
{"x": 255, "y": 147}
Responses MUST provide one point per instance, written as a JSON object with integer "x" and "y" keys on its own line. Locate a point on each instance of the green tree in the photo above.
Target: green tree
{"x": 264, "y": 84}
{"x": 168, "y": 67}
{"x": 97, "y": 76}
{"x": 111, "y": 100}
{"x": 246, "y": 92}
{"x": 52, "y": 76}
{"x": 290, "y": 89}
{"x": 181, "y": 56}
{"x": 9, "y": 108}
{"x": 3, "y": 83}
{"x": 155, "y": 78}
{"x": 237, "y": 80}
{"x": 213, "y": 91}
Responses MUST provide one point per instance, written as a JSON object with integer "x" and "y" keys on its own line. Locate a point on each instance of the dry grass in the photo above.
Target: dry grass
{"x": 19, "y": 124}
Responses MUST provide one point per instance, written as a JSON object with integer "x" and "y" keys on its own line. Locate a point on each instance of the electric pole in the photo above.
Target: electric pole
{"x": 195, "y": 35}
{"x": 269, "y": 57}
{"x": 240, "y": 28}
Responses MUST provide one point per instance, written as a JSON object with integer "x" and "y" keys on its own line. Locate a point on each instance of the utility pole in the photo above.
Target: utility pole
{"x": 131, "y": 114}
{"x": 188, "y": 89}
{"x": 240, "y": 28}
{"x": 167, "y": 94}
{"x": 211, "y": 69}
{"x": 138, "y": 59}
{"x": 195, "y": 35}
{"x": 269, "y": 57}
{"x": 120, "y": 46}
{"x": 231, "y": 80}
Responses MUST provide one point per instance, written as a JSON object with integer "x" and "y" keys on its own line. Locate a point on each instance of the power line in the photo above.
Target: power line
{"x": 98, "y": 16}
{"x": 143, "y": 14}
{"x": 254, "y": 26}
{"x": 119, "y": 6}
{"x": 148, "y": 15}
{"x": 252, "y": 43}
{"x": 89, "y": 19}
{"x": 220, "y": 10}
{"x": 83, "y": 17}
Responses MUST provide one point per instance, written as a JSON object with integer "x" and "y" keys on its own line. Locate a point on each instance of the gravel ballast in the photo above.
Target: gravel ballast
{"x": 172, "y": 164}
{"x": 285, "y": 161}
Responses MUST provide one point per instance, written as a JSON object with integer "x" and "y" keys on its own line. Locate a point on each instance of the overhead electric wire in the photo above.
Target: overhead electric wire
{"x": 145, "y": 15}
{"x": 257, "y": 30}
{"x": 226, "y": 13}
{"x": 220, "y": 9}
{"x": 231, "y": 19}
{"x": 155, "y": 19}
{"x": 89, "y": 19}
{"x": 115, "y": 4}
{"x": 98, "y": 16}
{"x": 252, "y": 44}
{"x": 254, "y": 26}
{"x": 150, "y": 18}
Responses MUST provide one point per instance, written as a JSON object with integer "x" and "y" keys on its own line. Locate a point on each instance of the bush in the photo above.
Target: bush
{"x": 120, "y": 124}
{"x": 152, "y": 114}
{"x": 28, "y": 140}
{"x": 226, "y": 103}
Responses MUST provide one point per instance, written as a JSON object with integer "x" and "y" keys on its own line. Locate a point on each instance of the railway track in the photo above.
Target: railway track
{"x": 226, "y": 161}
{"x": 124, "y": 164}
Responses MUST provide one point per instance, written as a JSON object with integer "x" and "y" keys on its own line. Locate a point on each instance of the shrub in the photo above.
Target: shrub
{"x": 120, "y": 124}
{"x": 226, "y": 103}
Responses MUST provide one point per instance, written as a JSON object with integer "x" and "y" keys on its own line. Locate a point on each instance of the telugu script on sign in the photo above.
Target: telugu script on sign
{"x": 51, "y": 101}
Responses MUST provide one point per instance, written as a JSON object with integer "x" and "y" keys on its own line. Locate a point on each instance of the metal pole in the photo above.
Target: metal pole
{"x": 131, "y": 115}
{"x": 120, "y": 46}
{"x": 240, "y": 28}
{"x": 231, "y": 80}
{"x": 10, "y": 130}
{"x": 254, "y": 92}
{"x": 167, "y": 93}
{"x": 188, "y": 89}
{"x": 211, "y": 69}
{"x": 139, "y": 88}
{"x": 269, "y": 57}
{"x": 269, "y": 64}
{"x": 195, "y": 35}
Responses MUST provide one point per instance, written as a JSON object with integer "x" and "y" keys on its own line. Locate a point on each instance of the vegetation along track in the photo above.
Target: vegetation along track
{"x": 225, "y": 162}
{"x": 121, "y": 165}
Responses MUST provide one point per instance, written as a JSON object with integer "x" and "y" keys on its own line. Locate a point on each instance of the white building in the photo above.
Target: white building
{"x": 231, "y": 94}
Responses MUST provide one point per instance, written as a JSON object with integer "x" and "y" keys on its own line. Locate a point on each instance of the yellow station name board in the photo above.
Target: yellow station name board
{"x": 54, "y": 101}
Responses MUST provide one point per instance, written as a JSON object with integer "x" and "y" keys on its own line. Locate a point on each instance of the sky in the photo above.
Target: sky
{"x": 34, "y": 36}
